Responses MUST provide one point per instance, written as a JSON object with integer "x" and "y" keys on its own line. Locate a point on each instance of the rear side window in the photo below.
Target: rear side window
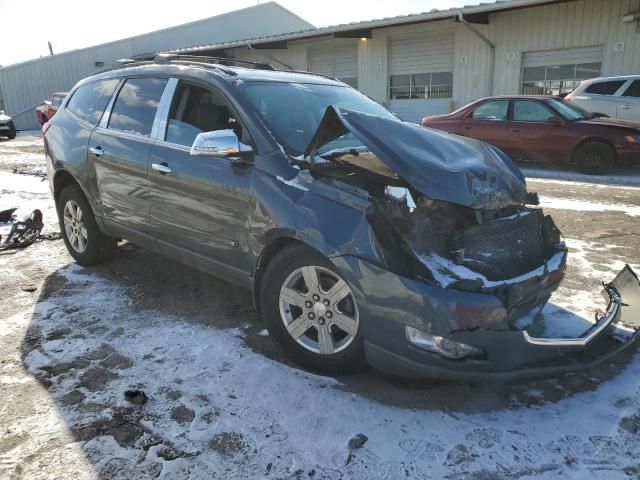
{"x": 136, "y": 105}
{"x": 89, "y": 101}
{"x": 604, "y": 88}
{"x": 491, "y": 110}
{"x": 633, "y": 90}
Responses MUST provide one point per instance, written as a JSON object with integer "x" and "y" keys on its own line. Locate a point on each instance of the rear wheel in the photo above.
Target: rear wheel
{"x": 311, "y": 312}
{"x": 84, "y": 240}
{"x": 594, "y": 158}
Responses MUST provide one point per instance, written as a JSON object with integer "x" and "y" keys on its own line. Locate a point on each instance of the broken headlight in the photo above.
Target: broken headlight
{"x": 443, "y": 346}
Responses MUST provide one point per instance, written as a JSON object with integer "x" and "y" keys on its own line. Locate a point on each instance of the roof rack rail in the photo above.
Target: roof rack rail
{"x": 168, "y": 57}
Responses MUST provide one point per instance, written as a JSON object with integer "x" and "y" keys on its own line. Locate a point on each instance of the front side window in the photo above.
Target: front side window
{"x": 89, "y": 101}
{"x": 557, "y": 79}
{"x": 491, "y": 110}
{"x": 633, "y": 90}
{"x": 421, "y": 86}
{"x": 194, "y": 110}
{"x": 604, "y": 88}
{"x": 135, "y": 107}
{"x": 292, "y": 112}
{"x": 55, "y": 101}
{"x": 528, "y": 111}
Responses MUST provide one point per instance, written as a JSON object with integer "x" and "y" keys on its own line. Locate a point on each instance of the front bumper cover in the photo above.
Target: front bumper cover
{"x": 509, "y": 354}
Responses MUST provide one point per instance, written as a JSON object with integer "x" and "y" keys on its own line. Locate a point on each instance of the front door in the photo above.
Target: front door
{"x": 119, "y": 148}
{"x": 488, "y": 122}
{"x": 199, "y": 204}
{"x": 532, "y": 136}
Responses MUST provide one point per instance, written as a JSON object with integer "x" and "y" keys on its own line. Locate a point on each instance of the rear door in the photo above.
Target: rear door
{"x": 532, "y": 137}
{"x": 199, "y": 208}
{"x": 488, "y": 122}
{"x": 119, "y": 148}
{"x": 628, "y": 107}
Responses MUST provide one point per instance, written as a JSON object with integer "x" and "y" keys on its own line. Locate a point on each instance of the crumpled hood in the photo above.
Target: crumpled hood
{"x": 439, "y": 165}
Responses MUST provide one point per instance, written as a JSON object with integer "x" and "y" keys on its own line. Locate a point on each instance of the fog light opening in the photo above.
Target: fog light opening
{"x": 440, "y": 345}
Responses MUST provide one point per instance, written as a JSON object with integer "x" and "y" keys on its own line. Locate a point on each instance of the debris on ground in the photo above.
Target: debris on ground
{"x": 136, "y": 396}
{"x": 22, "y": 233}
{"x": 355, "y": 442}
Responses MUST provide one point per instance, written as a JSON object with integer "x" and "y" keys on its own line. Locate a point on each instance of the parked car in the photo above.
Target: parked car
{"x": 545, "y": 129}
{"x": 49, "y": 107}
{"x": 616, "y": 97}
{"x": 360, "y": 236}
{"x": 7, "y": 128}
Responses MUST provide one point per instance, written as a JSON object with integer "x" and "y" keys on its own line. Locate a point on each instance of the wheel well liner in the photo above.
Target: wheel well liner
{"x": 587, "y": 140}
{"x": 267, "y": 255}
{"x": 63, "y": 179}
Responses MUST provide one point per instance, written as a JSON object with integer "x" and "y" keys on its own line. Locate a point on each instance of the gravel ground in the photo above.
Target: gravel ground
{"x": 222, "y": 403}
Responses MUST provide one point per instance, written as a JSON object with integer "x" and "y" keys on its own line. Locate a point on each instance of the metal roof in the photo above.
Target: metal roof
{"x": 430, "y": 16}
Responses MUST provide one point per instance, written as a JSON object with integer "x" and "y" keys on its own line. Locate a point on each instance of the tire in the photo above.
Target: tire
{"x": 84, "y": 240}
{"x": 322, "y": 345}
{"x": 12, "y": 136}
{"x": 594, "y": 158}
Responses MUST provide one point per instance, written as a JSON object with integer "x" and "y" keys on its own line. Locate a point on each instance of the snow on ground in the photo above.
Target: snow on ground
{"x": 220, "y": 409}
{"x": 588, "y": 206}
{"x": 628, "y": 176}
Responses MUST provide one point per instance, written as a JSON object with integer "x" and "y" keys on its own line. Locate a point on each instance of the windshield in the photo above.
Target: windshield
{"x": 568, "y": 110}
{"x": 293, "y": 111}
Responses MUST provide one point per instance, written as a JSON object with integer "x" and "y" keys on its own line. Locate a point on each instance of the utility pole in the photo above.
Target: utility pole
{"x": 50, "y": 48}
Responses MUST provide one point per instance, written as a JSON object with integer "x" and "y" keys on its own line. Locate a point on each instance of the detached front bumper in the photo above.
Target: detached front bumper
{"x": 392, "y": 302}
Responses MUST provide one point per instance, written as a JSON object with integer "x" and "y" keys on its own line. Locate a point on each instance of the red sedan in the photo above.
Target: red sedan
{"x": 546, "y": 129}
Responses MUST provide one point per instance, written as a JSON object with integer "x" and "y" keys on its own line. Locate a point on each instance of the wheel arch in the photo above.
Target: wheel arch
{"x": 63, "y": 179}
{"x": 268, "y": 253}
{"x": 587, "y": 140}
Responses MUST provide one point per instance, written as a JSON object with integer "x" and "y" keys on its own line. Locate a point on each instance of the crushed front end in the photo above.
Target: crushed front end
{"x": 463, "y": 254}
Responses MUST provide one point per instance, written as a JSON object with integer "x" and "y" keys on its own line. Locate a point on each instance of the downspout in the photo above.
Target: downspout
{"x": 492, "y": 48}
{"x": 288, "y": 67}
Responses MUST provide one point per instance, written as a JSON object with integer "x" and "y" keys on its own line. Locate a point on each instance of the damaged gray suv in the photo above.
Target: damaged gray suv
{"x": 362, "y": 238}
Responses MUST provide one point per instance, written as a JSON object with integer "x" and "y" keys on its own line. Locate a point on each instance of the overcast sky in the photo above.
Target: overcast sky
{"x": 27, "y": 25}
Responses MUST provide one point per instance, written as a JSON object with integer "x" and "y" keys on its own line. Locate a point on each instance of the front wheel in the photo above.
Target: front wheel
{"x": 311, "y": 312}
{"x": 595, "y": 158}
{"x": 82, "y": 236}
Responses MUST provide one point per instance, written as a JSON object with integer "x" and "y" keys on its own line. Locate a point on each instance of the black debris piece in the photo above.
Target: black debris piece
{"x": 22, "y": 233}
{"x": 136, "y": 396}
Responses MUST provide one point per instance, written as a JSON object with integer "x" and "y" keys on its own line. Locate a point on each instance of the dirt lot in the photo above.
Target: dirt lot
{"x": 223, "y": 403}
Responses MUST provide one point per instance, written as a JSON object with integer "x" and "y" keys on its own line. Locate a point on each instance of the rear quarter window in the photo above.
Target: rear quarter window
{"x": 89, "y": 101}
{"x": 604, "y": 88}
{"x": 135, "y": 108}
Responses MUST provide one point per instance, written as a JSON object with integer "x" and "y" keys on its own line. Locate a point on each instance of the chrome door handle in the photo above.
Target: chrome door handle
{"x": 97, "y": 151}
{"x": 161, "y": 167}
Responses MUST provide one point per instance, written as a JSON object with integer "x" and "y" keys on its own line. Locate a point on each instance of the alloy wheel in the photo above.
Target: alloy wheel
{"x": 319, "y": 310}
{"x": 74, "y": 226}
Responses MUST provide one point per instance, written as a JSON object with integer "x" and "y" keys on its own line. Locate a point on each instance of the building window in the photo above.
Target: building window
{"x": 557, "y": 79}
{"x": 421, "y": 86}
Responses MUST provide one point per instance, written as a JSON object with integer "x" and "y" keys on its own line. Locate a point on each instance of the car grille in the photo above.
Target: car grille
{"x": 506, "y": 247}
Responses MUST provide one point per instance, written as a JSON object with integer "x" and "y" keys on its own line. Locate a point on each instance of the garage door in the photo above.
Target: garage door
{"x": 338, "y": 60}
{"x": 421, "y": 75}
{"x": 553, "y": 72}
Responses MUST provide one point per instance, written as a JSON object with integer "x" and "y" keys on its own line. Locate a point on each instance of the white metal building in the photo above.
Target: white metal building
{"x": 24, "y": 86}
{"x": 433, "y": 62}
{"x": 414, "y": 64}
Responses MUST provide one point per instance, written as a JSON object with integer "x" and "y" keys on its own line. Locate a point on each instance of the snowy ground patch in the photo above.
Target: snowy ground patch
{"x": 220, "y": 407}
